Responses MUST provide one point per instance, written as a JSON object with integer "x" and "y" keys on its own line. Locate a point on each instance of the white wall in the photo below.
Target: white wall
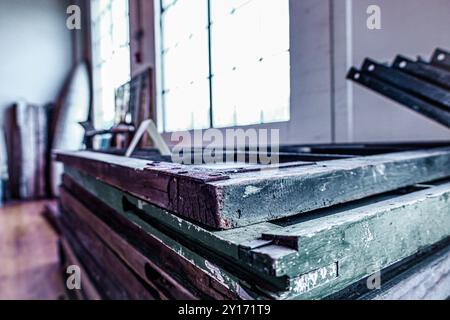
{"x": 327, "y": 38}
{"x": 35, "y": 51}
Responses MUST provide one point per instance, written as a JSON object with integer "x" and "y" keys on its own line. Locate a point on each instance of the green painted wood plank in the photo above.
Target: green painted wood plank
{"x": 320, "y": 255}
{"x": 113, "y": 198}
{"x": 365, "y": 240}
{"x": 296, "y": 190}
{"x": 227, "y": 200}
{"x": 226, "y": 241}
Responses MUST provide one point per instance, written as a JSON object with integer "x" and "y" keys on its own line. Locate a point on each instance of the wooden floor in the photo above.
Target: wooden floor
{"x": 28, "y": 254}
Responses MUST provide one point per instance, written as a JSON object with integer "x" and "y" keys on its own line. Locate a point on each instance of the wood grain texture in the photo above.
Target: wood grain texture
{"x": 128, "y": 285}
{"x": 230, "y": 200}
{"x": 135, "y": 260}
{"x": 106, "y": 285}
{"x": 345, "y": 243}
{"x": 88, "y": 290}
{"x": 194, "y": 272}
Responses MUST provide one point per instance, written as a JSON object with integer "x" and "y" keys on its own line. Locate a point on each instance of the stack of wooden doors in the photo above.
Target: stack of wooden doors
{"x": 329, "y": 221}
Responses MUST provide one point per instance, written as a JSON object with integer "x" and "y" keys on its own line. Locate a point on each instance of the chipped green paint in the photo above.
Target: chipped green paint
{"x": 316, "y": 278}
{"x": 296, "y": 190}
{"x": 227, "y": 279}
{"x": 238, "y": 199}
{"x": 358, "y": 239}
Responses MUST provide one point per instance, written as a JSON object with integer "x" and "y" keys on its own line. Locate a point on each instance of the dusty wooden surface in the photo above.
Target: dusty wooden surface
{"x": 122, "y": 283}
{"x": 357, "y": 240}
{"x": 88, "y": 290}
{"x": 28, "y": 254}
{"x": 164, "y": 285}
{"x": 200, "y": 276}
{"x": 225, "y": 199}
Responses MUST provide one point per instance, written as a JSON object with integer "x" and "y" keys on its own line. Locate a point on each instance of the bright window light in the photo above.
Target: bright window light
{"x": 225, "y": 63}
{"x": 110, "y": 55}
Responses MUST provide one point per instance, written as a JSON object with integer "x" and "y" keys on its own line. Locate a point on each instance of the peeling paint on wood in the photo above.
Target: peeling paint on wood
{"x": 234, "y": 199}
{"x": 363, "y": 237}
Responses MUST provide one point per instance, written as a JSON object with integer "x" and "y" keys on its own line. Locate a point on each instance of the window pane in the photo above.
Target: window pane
{"x": 111, "y": 55}
{"x": 185, "y": 65}
{"x": 250, "y": 61}
{"x": 250, "y": 68}
{"x": 194, "y": 111}
{"x": 120, "y": 28}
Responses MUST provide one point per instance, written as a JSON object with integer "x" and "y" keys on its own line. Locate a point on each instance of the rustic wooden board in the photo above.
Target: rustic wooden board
{"x": 196, "y": 273}
{"x": 187, "y": 235}
{"x": 377, "y": 234}
{"x": 320, "y": 253}
{"x": 88, "y": 290}
{"x": 135, "y": 260}
{"x": 224, "y": 199}
{"x": 107, "y": 287}
{"x": 128, "y": 284}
